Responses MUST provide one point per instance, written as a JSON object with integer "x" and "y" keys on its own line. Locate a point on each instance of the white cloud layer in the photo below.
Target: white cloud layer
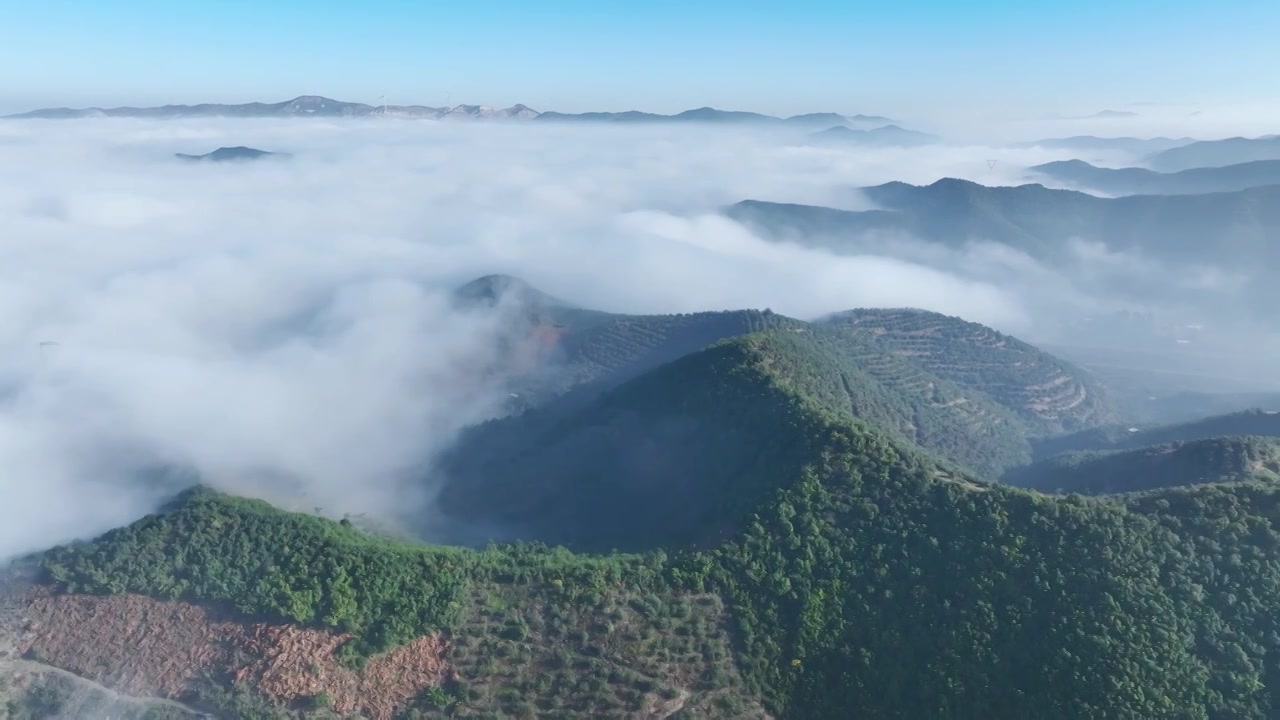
{"x": 284, "y": 328}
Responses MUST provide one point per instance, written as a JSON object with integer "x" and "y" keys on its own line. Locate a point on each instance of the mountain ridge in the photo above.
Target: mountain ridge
{"x": 1181, "y": 463}
{"x": 1041, "y": 221}
{"x": 1142, "y": 181}
{"x": 858, "y": 579}
{"x": 318, "y": 106}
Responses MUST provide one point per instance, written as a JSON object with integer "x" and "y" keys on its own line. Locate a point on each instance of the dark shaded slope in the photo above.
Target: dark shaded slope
{"x": 673, "y": 458}
{"x": 1141, "y": 181}
{"x": 1050, "y": 394}
{"x": 1191, "y": 462}
{"x": 1265, "y": 423}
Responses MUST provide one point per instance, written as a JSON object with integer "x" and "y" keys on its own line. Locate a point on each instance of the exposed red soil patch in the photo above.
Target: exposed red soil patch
{"x": 296, "y": 662}
{"x": 147, "y": 647}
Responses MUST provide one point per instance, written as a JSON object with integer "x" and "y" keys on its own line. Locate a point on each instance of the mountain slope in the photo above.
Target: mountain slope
{"x": 673, "y": 458}
{"x": 1177, "y": 464}
{"x": 1263, "y": 423}
{"x": 1141, "y": 181}
{"x": 1045, "y": 223}
{"x": 1050, "y": 394}
{"x": 972, "y": 402}
{"x": 1216, "y": 153}
{"x": 323, "y": 616}
{"x": 862, "y": 583}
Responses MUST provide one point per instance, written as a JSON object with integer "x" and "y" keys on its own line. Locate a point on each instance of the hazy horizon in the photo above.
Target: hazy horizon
{"x": 914, "y": 60}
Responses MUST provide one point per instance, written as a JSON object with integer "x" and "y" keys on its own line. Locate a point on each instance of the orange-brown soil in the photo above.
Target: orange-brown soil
{"x": 147, "y": 647}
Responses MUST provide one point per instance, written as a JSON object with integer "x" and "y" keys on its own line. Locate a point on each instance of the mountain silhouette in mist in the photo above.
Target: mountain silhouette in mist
{"x": 887, "y": 136}
{"x": 239, "y": 153}
{"x": 318, "y": 106}
{"x": 1141, "y": 181}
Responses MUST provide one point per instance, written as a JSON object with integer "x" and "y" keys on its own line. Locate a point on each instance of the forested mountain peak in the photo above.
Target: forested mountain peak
{"x": 844, "y": 561}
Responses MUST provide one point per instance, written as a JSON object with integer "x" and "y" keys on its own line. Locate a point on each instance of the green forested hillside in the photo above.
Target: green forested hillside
{"x": 555, "y": 349}
{"x": 1193, "y": 462}
{"x": 532, "y": 630}
{"x": 676, "y": 456}
{"x": 860, "y": 579}
{"x": 1049, "y": 394}
{"x": 1263, "y": 423}
{"x": 673, "y": 458}
{"x": 960, "y": 390}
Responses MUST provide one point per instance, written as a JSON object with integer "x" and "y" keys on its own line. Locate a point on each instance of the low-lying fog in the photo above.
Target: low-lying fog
{"x": 284, "y": 327}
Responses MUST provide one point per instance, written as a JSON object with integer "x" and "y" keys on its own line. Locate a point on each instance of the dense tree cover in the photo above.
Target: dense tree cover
{"x": 1194, "y": 462}
{"x": 1051, "y": 395}
{"x": 1261, "y": 423}
{"x": 862, "y": 579}
{"x": 595, "y": 352}
{"x": 653, "y": 461}
{"x": 960, "y": 390}
{"x": 671, "y": 459}
{"x": 309, "y": 570}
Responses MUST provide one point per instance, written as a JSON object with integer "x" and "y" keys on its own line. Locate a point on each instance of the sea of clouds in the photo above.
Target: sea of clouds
{"x": 284, "y": 329}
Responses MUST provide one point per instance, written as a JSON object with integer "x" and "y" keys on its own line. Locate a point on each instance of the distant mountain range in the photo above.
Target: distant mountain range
{"x": 1175, "y": 464}
{"x": 889, "y": 135}
{"x": 1112, "y": 438}
{"x": 1239, "y": 229}
{"x": 1091, "y": 143}
{"x": 1141, "y": 181}
{"x": 231, "y": 154}
{"x": 316, "y": 106}
{"x": 1216, "y": 153}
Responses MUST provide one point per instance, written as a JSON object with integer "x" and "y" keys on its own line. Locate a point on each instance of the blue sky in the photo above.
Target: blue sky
{"x": 658, "y": 55}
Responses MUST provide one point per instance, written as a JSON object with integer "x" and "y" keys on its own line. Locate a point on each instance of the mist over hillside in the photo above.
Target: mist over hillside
{"x": 639, "y": 361}
{"x": 287, "y": 330}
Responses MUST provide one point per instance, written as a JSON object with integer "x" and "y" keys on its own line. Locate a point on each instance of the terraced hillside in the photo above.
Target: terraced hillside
{"x": 1051, "y": 395}
{"x": 1178, "y": 464}
{"x": 1262, "y": 423}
